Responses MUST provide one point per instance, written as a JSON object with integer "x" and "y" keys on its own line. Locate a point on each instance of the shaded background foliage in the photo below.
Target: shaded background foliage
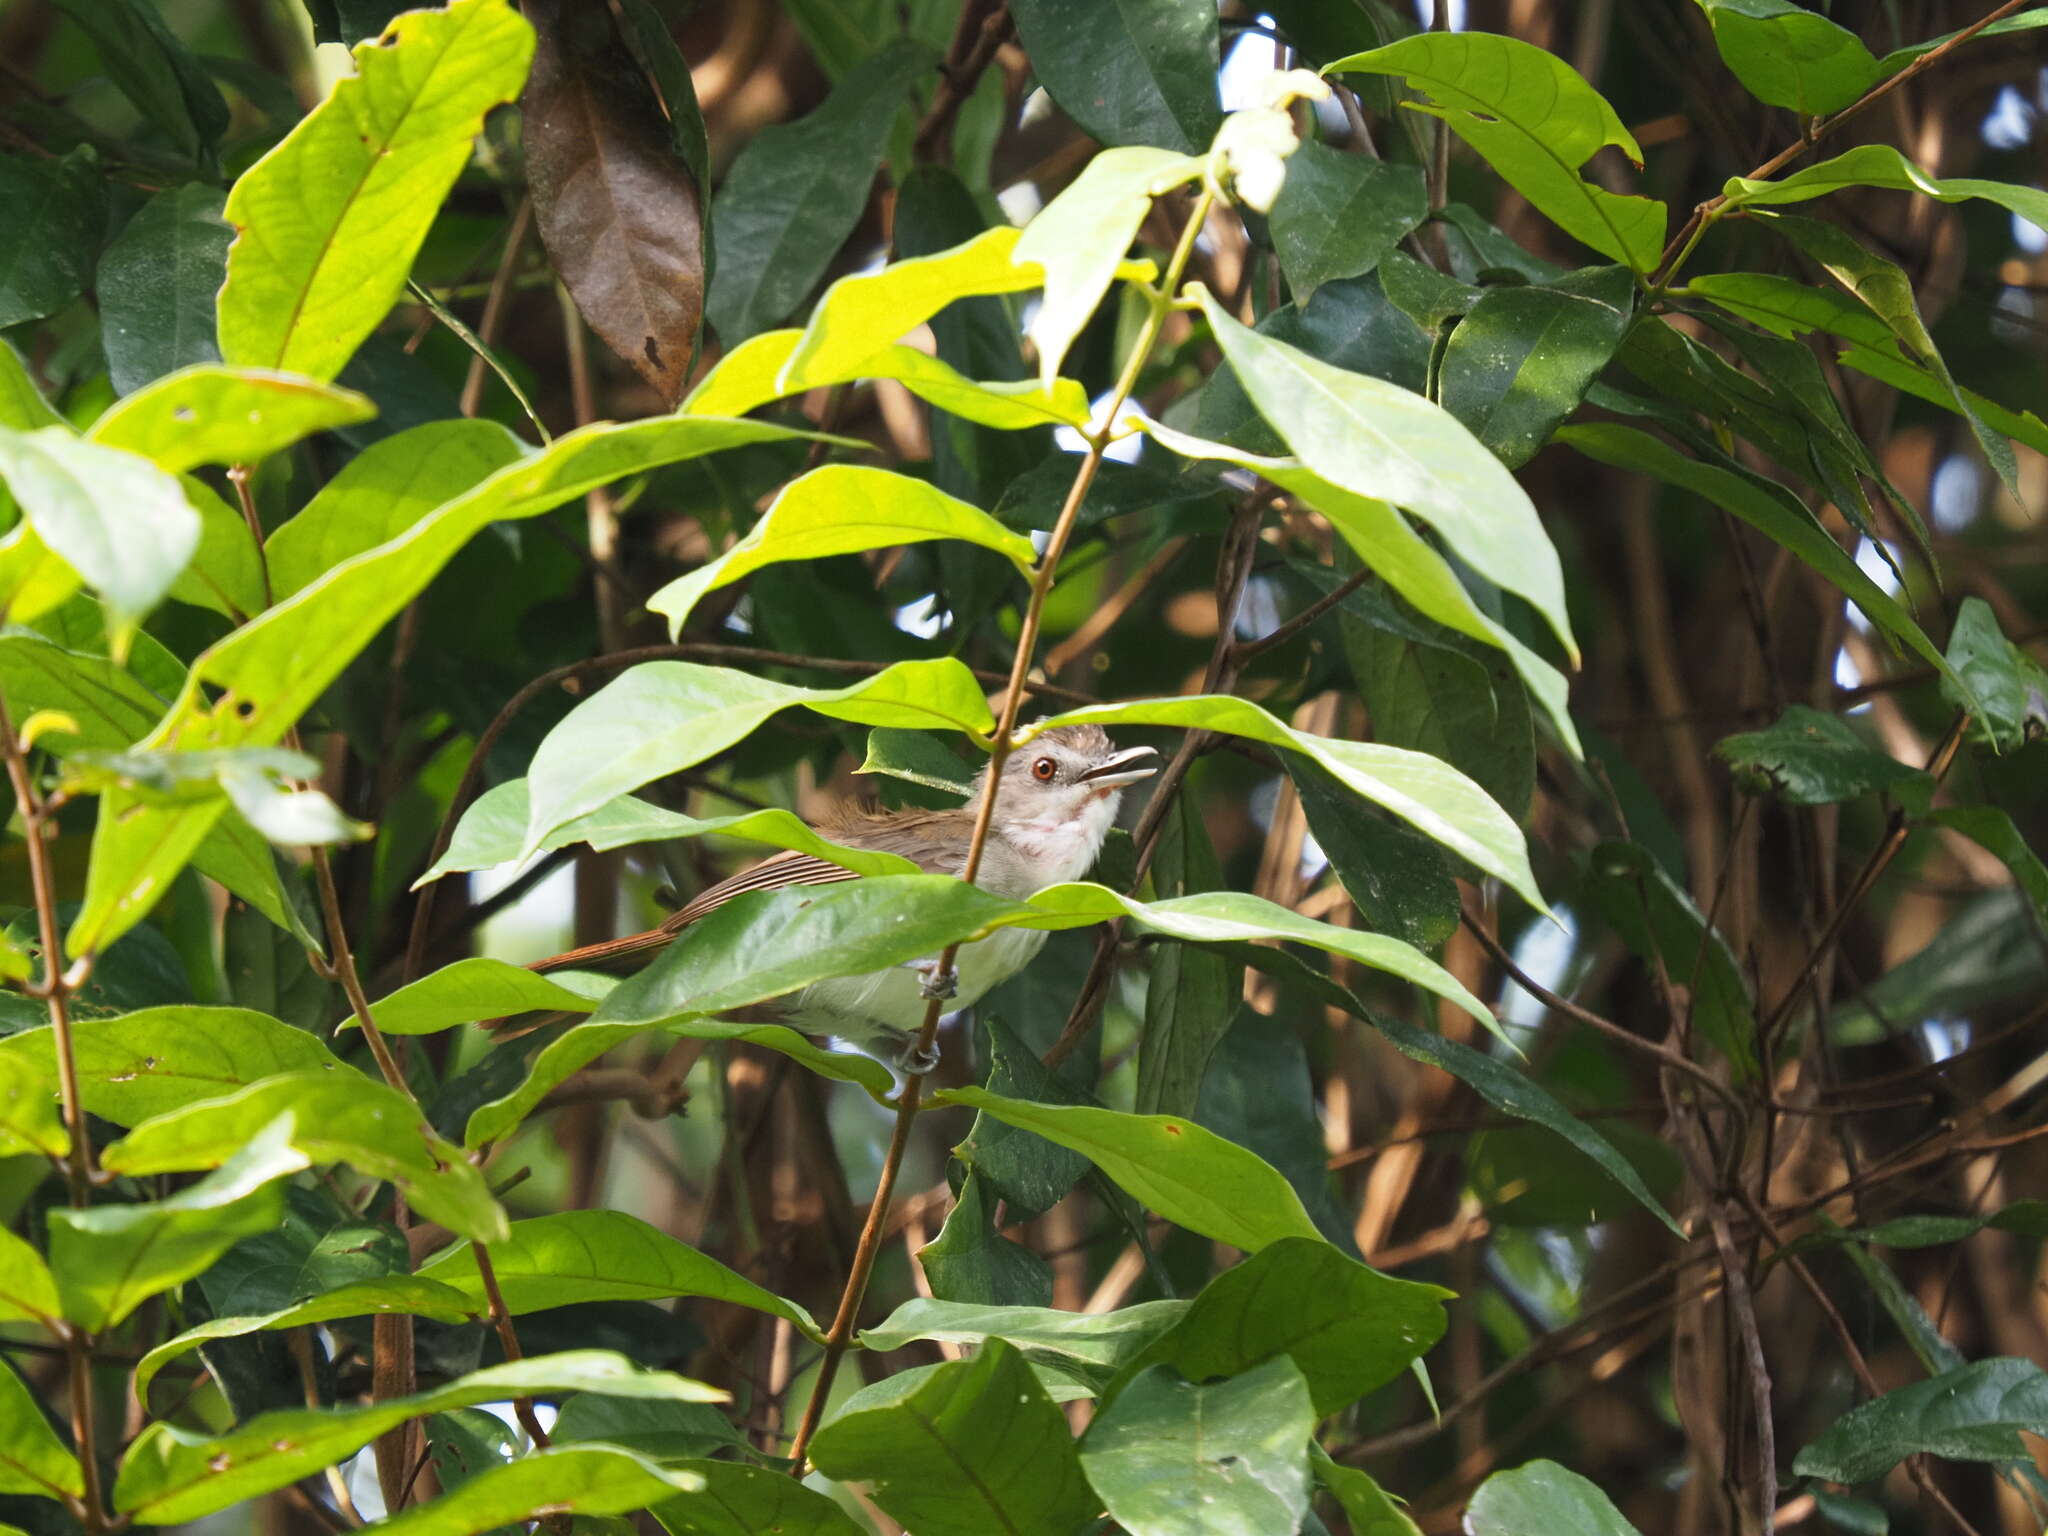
{"x": 1737, "y": 882}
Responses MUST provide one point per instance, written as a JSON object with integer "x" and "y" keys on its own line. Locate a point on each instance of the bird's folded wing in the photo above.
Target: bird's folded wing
{"x": 783, "y": 869}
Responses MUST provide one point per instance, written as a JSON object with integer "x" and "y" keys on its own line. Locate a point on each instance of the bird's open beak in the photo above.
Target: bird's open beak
{"x": 1122, "y": 768}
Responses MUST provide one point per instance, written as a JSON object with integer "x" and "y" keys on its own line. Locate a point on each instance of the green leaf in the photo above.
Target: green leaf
{"x": 1811, "y": 758}
{"x": 1883, "y": 287}
{"x": 226, "y": 571}
{"x": 329, "y": 221}
{"x": 1371, "y": 1510}
{"x": 972, "y": 1447}
{"x": 30, "y": 1121}
{"x": 581, "y": 1256}
{"x": 1879, "y": 165}
{"x": 664, "y": 716}
{"x": 1128, "y": 71}
{"x": 32, "y": 1459}
{"x": 1521, "y": 360}
{"x": 493, "y": 828}
{"x": 118, "y": 520}
{"x": 761, "y": 369}
{"x": 107, "y": 703}
{"x": 972, "y": 1263}
{"x": 762, "y": 944}
{"x": 2004, "y": 689}
{"x": 251, "y": 687}
{"x": 1079, "y": 239}
{"x": 469, "y": 991}
{"x": 1400, "y": 883}
{"x": 1899, "y": 58}
{"x": 2029, "y": 1218}
{"x": 28, "y": 1291}
{"x": 1535, "y": 121}
{"x": 742, "y": 1500}
{"x": 1768, "y": 508}
{"x": 156, "y": 286}
{"x": 1192, "y": 993}
{"x": 1339, "y": 214}
{"x": 1427, "y": 793}
{"x": 416, "y": 1296}
{"x": 842, "y": 509}
{"x": 1987, "y": 952}
{"x": 1972, "y": 1413}
{"x": 1400, "y": 556}
{"x": 1504, "y": 1087}
{"x": 1093, "y": 1344}
{"x": 171, "y": 1475}
{"x": 1171, "y": 1459}
{"x": 863, "y": 312}
{"x": 1224, "y": 917}
{"x": 1993, "y": 830}
{"x": 1347, "y": 1328}
{"x": 109, "y": 1259}
{"x": 1379, "y": 440}
{"x": 1657, "y": 919}
{"x": 209, "y": 414}
{"x": 916, "y": 757}
{"x": 22, "y": 405}
{"x": 584, "y": 1043}
{"x": 796, "y": 192}
{"x": 382, "y": 492}
{"x": 156, "y": 1060}
{"x": 52, "y": 233}
{"x": 662, "y": 1431}
{"x": 1189, "y": 1175}
{"x": 1787, "y": 56}
{"x": 1542, "y": 1496}
{"x": 341, "y": 1117}
{"x": 155, "y": 71}
{"x": 585, "y": 1481}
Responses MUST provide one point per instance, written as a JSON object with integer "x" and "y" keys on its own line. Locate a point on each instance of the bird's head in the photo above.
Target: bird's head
{"x": 1069, "y": 779}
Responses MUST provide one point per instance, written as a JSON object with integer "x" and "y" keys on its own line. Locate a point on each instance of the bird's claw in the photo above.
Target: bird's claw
{"x": 916, "y": 1060}
{"x": 936, "y": 984}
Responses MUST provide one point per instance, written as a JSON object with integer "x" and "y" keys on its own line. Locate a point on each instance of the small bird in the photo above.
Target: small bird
{"x": 1058, "y": 799}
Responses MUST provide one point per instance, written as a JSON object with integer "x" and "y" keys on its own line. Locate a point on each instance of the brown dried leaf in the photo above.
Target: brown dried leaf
{"x": 620, "y": 212}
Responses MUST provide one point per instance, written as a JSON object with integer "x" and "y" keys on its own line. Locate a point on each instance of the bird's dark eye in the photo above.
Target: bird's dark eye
{"x": 1045, "y": 770}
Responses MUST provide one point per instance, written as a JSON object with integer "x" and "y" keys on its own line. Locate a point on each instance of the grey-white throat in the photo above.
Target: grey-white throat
{"x": 1057, "y": 802}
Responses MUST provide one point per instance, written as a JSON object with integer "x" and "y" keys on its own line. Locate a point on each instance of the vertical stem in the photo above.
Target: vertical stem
{"x": 840, "y": 1336}
{"x": 55, "y": 989}
{"x": 508, "y": 1338}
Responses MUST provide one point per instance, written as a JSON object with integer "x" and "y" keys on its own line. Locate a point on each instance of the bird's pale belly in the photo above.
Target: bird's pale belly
{"x": 886, "y": 1004}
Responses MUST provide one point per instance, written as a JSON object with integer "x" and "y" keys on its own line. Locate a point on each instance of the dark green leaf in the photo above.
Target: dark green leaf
{"x": 1029, "y": 1173}
{"x": 2004, "y": 689}
{"x": 1972, "y": 1413}
{"x": 1501, "y": 1085}
{"x": 973, "y": 1447}
{"x": 657, "y": 1428}
{"x": 155, "y": 72}
{"x": 1193, "y": 992}
{"x": 971, "y": 1263}
{"x": 1128, "y": 71}
{"x": 156, "y": 285}
{"x": 751, "y": 1501}
{"x": 1339, "y": 214}
{"x": 1171, "y": 1459}
{"x": 1096, "y": 1344}
{"x": 1993, "y": 829}
{"x": 1400, "y": 882}
{"x": 1811, "y": 758}
{"x": 32, "y": 1459}
{"x": 578, "y": 1256}
{"x": 1521, "y": 359}
{"x": 917, "y": 757}
{"x": 1347, "y": 1328}
{"x": 52, "y": 232}
{"x": 1987, "y": 952}
{"x": 1659, "y": 922}
{"x": 797, "y": 190}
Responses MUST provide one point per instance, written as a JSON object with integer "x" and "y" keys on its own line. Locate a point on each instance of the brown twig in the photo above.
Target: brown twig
{"x": 55, "y": 989}
{"x": 508, "y": 1338}
{"x": 973, "y": 48}
{"x": 840, "y": 1336}
{"x": 494, "y": 307}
